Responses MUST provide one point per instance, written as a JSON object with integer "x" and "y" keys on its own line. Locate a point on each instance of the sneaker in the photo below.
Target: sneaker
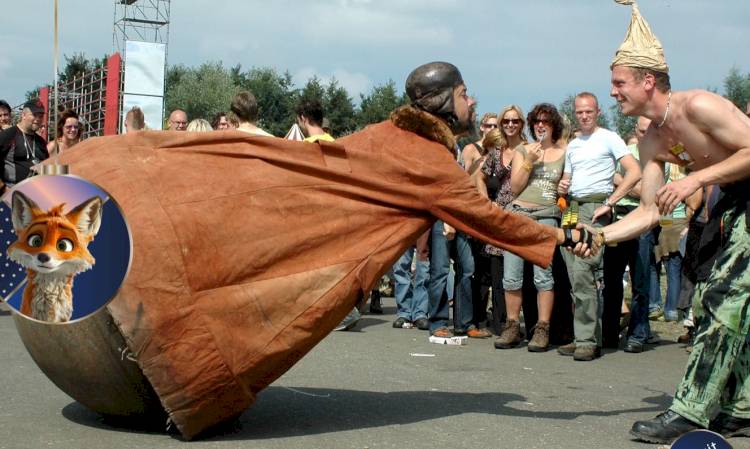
{"x": 654, "y": 315}
{"x": 422, "y": 324}
{"x": 663, "y": 429}
{"x": 349, "y": 321}
{"x": 399, "y": 323}
{"x": 476, "y": 332}
{"x": 587, "y": 353}
{"x": 540, "y": 341}
{"x": 510, "y": 337}
{"x": 442, "y": 332}
{"x": 633, "y": 347}
{"x": 568, "y": 349}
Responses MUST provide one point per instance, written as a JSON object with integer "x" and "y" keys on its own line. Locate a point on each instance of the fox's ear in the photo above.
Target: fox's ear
{"x": 21, "y": 211}
{"x": 87, "y": 216}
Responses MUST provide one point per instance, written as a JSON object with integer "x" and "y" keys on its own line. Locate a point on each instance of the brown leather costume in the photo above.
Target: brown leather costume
{"x": 247, "y": 251}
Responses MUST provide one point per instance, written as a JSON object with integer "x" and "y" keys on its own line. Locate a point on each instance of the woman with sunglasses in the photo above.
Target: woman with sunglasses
{"x": 68, "y": 133}
{"x": 536, "y": 171}
{"x": 493, "y": 181}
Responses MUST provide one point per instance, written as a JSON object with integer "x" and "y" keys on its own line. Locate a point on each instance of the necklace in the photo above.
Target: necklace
{"x": 666, "y": 113}
{"x": 26, "y": 146}
{"x": 30, "y": 152}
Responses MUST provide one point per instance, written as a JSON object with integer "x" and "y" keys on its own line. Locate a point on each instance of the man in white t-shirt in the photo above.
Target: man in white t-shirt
{"x": 590, "y": 162}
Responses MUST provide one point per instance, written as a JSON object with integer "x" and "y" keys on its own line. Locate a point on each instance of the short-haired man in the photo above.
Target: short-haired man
{"x": 178, "y": 120}
{"x": 134, "y": 120}
{"x": 4, "y": 115}
{"x": 310, "y": 118}
{"x": 708, "y": 133}
{"x": 21, "y": 147}
{"x": 590, "y": 162}
{"x": 245, "y": 108}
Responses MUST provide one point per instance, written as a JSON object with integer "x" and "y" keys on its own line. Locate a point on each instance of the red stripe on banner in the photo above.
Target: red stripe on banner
{"x": 112, "y": 105}
{"x": 44, "y": 98}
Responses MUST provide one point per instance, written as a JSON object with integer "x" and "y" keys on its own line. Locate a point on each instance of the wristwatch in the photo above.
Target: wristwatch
{"x": 608, "y": 204}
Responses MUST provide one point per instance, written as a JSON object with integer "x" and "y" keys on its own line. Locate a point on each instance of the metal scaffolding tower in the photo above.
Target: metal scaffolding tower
{"x": 141, "y": 20}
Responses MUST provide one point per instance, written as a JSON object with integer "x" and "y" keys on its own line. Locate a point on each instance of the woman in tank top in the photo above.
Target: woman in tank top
{"x": 536, "y": 171}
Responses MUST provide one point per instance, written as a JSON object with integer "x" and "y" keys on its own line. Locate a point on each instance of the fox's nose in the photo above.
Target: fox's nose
{"x": 43, "y": 257}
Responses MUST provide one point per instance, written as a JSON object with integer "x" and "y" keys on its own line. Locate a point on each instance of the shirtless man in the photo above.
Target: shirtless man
{"x": 710, "y": 135}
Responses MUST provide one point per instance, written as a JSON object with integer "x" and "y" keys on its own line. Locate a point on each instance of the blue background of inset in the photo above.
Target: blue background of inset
{"x": 701, "y": 439}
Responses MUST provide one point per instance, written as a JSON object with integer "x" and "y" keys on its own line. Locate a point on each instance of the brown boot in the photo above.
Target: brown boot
{"x": 511, "y": 335}
{"x": 540, "y": 341}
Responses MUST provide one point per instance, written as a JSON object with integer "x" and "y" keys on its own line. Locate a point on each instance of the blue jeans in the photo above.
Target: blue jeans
{"x": 513, "y": 267}
{"x": 438, "y": 309}
{"x": 639, "y": 328}
{"x": 654, "y": 291}
{"x": 673, "y": 267}
{"x": 411, "y": 300}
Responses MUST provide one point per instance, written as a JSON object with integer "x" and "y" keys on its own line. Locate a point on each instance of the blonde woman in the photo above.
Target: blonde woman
{"x": 199, "y": 125}
{"x": 493, "y": 181}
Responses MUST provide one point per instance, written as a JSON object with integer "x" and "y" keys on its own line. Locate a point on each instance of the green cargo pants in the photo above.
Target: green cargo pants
{"x": 582, "y": 272}
{"x": 718, "y": 369}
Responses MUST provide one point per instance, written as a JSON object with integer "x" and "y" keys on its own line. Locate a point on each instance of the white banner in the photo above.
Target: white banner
{"x": 144, "y": 68}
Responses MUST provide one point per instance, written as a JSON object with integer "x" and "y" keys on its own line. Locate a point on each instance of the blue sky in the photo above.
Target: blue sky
{"x": 508, "y": 51}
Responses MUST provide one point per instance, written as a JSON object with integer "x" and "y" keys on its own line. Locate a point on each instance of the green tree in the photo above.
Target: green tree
{"x": 377, "y": 105}
{"x": 623, "y": 125}
{"x": 79, "y": 65}
{"x": 567, "y": 110}
{"x": 173, "y": 77}
{"x": 737, "y": 88}
{"x": 313, "y": 90}
{"x": 339, "y": 109}
{"x": 276, "y": 97}
{"x": 201, "y": 92}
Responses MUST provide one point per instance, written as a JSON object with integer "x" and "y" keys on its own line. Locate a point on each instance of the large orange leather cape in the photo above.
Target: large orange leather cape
{"x": 247, "y": 251}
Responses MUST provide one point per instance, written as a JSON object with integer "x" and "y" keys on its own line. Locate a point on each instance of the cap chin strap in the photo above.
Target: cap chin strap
{"x": 453, "y": 123}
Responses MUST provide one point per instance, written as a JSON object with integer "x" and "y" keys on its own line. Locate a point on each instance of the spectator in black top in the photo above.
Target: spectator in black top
{"x": 21, "y": 147}
{"x": 4, "y": 115}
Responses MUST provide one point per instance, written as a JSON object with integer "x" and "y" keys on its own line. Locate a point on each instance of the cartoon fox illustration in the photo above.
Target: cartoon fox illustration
{"x": 52, "y": 246}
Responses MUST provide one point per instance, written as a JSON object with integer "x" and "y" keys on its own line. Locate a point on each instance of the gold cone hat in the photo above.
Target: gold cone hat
{"x": 640, "y": 48}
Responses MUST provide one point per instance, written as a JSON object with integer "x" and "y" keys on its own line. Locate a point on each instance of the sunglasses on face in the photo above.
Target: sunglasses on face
{"x": 511, "y": 121}
{"x": 71, "y": 127}
{"x": 489, "y": 125}
{"x": 542, "y": 121}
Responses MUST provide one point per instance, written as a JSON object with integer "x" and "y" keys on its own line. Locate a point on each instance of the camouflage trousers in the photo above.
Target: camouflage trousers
{"x": 718, "y": 370}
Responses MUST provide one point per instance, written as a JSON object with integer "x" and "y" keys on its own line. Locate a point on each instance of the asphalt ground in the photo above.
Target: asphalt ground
{"x": 378, "y": 387}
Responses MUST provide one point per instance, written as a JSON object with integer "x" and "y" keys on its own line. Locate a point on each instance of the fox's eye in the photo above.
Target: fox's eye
{"x": 64, "y": 245}
{"x": 35, "y": 240}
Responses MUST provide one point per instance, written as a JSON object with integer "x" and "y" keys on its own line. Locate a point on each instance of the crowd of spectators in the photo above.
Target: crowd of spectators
{"x": 450, "y": 284}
